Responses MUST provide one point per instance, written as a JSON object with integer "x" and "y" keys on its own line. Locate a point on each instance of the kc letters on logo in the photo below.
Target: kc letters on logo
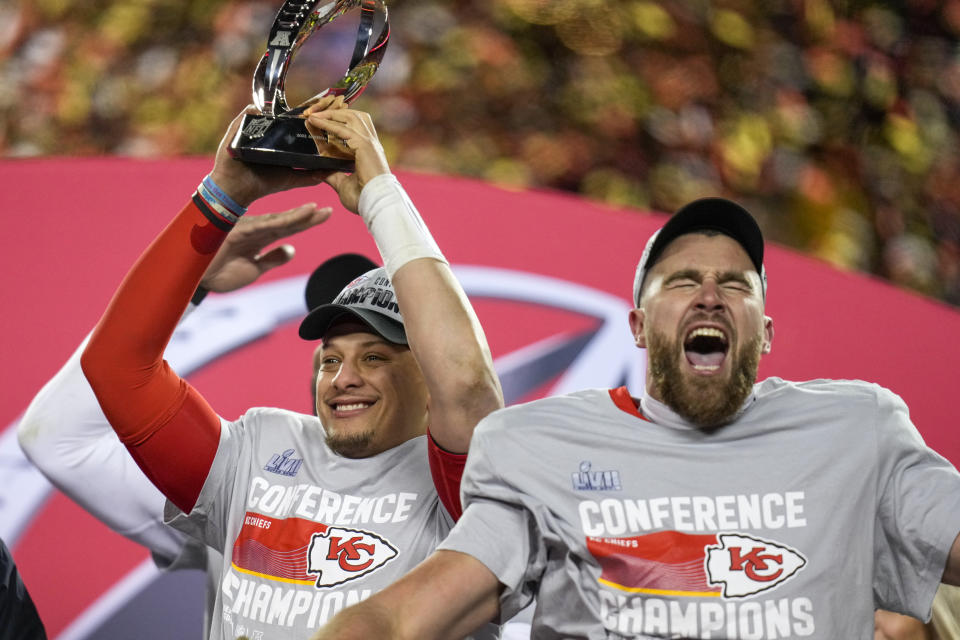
{"x": 745, "y": 565}
{"x": 339, "y": 555}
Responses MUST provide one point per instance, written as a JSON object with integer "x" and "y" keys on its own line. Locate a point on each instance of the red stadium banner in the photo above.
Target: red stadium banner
{"x": 550, "y": 276}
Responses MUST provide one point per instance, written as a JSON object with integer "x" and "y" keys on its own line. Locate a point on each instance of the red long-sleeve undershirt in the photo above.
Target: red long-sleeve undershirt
{"x": 166, "y": 425}
{"x": 446, "y": 469}
{"x": 169, "y": 429}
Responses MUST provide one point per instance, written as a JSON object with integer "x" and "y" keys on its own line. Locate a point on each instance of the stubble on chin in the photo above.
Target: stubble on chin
{"x": 707, "y": 402}
{"x": 350, "y": 445}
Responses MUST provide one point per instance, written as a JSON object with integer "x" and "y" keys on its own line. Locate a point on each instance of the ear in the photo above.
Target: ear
{"x": 767, "y": 334}
{"x": 317, "y": 357}
{"x": 637, "y": 317}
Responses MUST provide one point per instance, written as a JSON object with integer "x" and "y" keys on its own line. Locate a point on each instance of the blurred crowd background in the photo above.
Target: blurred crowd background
{"x": 835, "y": 121}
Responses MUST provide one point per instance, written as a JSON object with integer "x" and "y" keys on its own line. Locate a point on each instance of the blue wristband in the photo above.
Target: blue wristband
{"x": 219, "y": 194}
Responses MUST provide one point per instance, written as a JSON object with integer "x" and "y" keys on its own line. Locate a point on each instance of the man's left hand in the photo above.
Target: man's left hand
{"x": 247, "y": 181}
{"x": 239, "y": 261}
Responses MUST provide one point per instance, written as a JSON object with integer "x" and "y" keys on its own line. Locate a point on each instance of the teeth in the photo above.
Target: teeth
{"x": 352, "y": 407}
{"x": 703, "y": 367}
{"x": 706, "y": 332}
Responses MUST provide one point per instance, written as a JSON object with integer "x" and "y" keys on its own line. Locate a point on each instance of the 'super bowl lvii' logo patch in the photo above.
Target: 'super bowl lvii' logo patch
{"x": 339, "y": 555}
{"x": 745, "y": 565}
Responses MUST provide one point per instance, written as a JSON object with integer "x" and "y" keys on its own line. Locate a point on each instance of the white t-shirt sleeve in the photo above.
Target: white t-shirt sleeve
{"x": 499, "y": 527}
{"x": 209, "y": 520}
{"x": 918, "y": 515}
{"x": 66, "y": 436}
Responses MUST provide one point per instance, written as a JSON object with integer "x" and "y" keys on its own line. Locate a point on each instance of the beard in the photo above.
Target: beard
{"x": 705, "y": 401}
{"x": 350, "y": 445}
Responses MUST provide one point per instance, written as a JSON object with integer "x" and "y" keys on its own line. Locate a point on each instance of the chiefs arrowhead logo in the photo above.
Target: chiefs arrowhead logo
{"x": 339, "y": 555}
{"x": 745, "y": 565}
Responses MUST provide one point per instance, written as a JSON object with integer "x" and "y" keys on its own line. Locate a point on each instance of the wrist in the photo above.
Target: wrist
{"x": 233, "y": 191}
{"x": 371, "y": 190}
{"x": 395, "y": 224}
{"x": 221, "y": 209}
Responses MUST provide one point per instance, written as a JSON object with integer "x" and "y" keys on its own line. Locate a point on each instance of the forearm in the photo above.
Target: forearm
{"x": 447, "y": 338}
{"x": 65, "y": 434}
{"x": 361, "y": 622}
{"x": 143, "y": 314}
{"x": 448, "y": 595}
{"x": 441, "y": 326}
{"x": 63, "y": 413}
{"x": 139, "y": 394}
{"x": 64, "y": 425}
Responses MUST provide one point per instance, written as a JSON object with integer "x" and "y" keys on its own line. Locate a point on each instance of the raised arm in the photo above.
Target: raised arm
{"x": 156, "y": 414}
{"x": 413, "y": 609}
{"x": 442, "y": 328}
{"x": 67, "y": 437}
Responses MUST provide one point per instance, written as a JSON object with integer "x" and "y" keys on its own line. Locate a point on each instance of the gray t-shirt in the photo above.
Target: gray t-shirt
{"x": 196, "y": 555}
{"x": 819, "y": 503}
{"x": 305, "y": 532}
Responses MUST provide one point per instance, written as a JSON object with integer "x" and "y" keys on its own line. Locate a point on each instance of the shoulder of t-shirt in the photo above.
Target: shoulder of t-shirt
{"x": 256, "y": 416}
{"x": 827, "y": 389}
{"x": 552, "y": 412}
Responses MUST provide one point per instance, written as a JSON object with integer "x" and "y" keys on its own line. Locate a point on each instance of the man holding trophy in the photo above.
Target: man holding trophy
{"x": 311, "y": 513}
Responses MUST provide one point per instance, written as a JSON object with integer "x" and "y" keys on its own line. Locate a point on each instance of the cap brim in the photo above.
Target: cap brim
{"x": 319, "y": 321}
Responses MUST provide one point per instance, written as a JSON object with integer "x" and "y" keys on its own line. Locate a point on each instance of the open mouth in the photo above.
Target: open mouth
{"x": 706, "y": 348}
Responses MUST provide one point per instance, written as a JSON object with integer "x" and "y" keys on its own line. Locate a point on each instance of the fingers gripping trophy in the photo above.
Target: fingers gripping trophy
{"x": 275, "y": 133}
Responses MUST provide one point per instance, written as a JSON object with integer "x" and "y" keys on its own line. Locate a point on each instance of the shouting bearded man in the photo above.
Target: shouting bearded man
{"x": 708, "y": 507}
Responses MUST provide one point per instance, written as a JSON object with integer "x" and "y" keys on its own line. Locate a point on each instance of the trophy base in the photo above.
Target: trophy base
{"x": 283, "y": 141}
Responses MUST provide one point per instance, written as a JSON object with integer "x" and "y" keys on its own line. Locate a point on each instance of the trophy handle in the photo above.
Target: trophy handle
{"x": 294, "y": 23}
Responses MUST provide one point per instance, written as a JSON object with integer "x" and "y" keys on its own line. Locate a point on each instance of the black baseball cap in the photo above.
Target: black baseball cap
{"x": 716, "y": 214}
{"x": 333, "y": 275}
{"x": 369, "y": 298}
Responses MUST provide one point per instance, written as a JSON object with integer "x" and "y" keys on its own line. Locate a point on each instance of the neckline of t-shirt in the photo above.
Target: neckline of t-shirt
{"x": 625, "y": 402}
{"x": 628, "y": 404}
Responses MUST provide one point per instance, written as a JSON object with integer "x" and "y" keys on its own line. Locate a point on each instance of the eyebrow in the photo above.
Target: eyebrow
{"x": 366, "y": 344}
{"x": 735, "y": 276}
{"x": 697, "y": 276}
{"x": 683, "y": 274}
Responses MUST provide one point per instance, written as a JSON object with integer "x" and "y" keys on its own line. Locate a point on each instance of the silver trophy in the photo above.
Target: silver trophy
{"x": 277, "y": 134}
